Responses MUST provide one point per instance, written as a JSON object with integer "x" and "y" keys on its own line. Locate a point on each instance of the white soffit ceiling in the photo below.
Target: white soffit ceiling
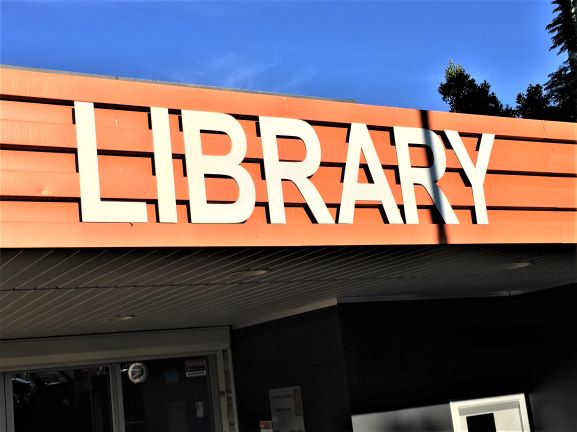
{"x": 50, "y": 292}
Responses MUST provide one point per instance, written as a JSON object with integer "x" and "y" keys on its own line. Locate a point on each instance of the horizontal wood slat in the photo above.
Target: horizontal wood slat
{"x": 541, "y": 227}
{"x": 132, "y": 178}
{"x": 35, "y": 112}
{"x": 537, "y": 157}
{"x": 60, "y": 212}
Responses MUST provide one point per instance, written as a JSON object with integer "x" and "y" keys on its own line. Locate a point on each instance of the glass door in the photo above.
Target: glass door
{"x": 168, "y": 395}
{"x": 64, "y": 400}
{"x": 171, "y": 395}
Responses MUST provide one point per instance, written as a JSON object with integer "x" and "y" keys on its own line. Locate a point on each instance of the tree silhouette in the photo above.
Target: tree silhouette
{"x": 556, "y": 100}
{"x": 465, "y": 95}
{"x": 562, "y": 85}
{"x": 535, "y": 104}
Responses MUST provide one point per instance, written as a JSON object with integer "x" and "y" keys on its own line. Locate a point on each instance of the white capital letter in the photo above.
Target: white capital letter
{"x": 475, "y": 174}
{"x": 379, "y": 190}
{"x": 423, "y": 176}
{"x": 163, "y": 165}
{"x": 198, "y": 165}
{"x": 297, "y": 172}
{"x": 93, "y": 209}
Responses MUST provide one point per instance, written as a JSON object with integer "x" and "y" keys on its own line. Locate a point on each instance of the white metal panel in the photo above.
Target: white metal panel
{"x": 59, "y": 292}
{"x": 26, "y": 354}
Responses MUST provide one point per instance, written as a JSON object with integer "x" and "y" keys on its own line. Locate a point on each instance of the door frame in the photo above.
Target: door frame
{"x": 216, "y": 381}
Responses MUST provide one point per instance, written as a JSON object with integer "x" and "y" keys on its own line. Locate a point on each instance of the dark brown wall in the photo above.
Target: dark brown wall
{"x": 411, "y": 354}
{"x": 402, "y": 355}
{"x": 388, "y": 356}
{"x": 554, "y": 395}
{"x": 303, "y": 350}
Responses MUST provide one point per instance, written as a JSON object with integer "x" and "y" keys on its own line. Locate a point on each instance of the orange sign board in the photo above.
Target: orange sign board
{"x": 100, "y": 162}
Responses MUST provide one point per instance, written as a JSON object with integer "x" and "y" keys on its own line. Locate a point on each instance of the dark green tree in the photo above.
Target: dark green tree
{"x": 562, "y": 85}
{"x": 465, "y": 95}
{"x": 564, "y": 29}
{"x": 556, "y": 100}
{"x": 534, "y": 103}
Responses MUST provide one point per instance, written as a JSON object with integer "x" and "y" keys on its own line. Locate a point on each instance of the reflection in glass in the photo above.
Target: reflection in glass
{"x": 170, "y": 395}
{"x": 71, "y": 400}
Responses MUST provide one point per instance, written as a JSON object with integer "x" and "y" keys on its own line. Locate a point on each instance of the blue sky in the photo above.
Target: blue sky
{"x": 381, "y": 52}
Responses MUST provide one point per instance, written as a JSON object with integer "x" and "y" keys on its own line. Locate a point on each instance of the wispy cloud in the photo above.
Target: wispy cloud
{"x": 241, "y": 71}
{"x": 230, "y": 69}
{"x": 296, "y": 81}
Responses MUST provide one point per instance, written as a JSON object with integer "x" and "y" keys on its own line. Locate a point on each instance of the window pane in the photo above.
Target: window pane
{"x": 70, "y": 400}
{"x": 167, "y": 395}
{"x": 481, "y": 423}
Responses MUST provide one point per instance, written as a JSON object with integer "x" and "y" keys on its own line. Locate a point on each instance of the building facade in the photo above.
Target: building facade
{"x": 179, "y": 258}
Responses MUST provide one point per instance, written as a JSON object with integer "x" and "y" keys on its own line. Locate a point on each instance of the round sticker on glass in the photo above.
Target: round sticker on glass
{"x": 137, "y": 373}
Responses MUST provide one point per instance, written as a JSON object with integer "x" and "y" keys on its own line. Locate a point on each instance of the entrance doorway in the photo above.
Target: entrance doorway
{"x": 65, "y": 400}
{"x": 172, "y": 395}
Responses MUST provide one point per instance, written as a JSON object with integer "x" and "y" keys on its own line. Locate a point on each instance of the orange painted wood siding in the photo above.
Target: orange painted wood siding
{"x": 530, "y": 187}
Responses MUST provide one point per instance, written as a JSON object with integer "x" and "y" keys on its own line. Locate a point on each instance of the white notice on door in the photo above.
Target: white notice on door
{"x": 286, "y": 409}
{"x": 195, "y": 368}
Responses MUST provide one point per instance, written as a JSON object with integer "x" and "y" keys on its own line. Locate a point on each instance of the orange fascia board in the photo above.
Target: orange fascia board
{"x": 530, "y": 185}
{"x": 61, "y": 86}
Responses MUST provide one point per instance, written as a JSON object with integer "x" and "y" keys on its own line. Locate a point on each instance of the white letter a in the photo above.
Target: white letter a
{"x": 379, "y": 190}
